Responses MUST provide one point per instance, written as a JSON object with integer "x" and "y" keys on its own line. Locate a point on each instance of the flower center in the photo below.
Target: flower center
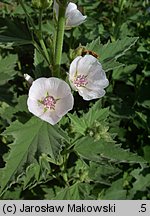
{"x": 80, "y": 80}
{"x": 49, "y": 102}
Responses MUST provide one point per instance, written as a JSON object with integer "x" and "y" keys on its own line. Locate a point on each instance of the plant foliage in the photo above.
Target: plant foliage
{"x": 100, "y": 149}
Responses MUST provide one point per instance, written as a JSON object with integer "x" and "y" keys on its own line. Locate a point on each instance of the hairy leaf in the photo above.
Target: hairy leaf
{"x": 14, "y": 32}
{"x": 142, "y": 182}
{"x": 41, "y": 66}
{"x": 89, "y": 149}
{"x": 31, "y": 140}
{"x": 96, "y": 113}
{"x": 102, "y": 173}
{"x": 110, "y": 52}
{"x": 37, "y": 173}
{"x": 7, "y": 111}
{"x": 77, "y": 191}
{"x": 114, "y": 50}
{"x": 116, "y": 191}
{"x": 7, "y": 68}
{"x": 79, "y": 124}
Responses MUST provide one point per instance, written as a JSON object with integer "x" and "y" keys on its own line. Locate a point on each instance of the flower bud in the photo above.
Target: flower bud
{"x": 42, "y": 4}
{"x": 77, "y": 52}
{"x": 73, "y": 16}
{"x": 28, "y": 78}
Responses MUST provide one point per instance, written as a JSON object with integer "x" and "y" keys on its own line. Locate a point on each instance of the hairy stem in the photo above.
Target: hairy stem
{"x": 59, "y": 38}
{"x": 41, "y": 37}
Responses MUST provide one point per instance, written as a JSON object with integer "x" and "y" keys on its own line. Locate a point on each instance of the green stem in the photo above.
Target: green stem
{"x": 27, "y": 15}
{"x": 44, "y": 53}
{"x": 41, "y": 37}
{"x": 118, "y": 21}
{"x": 59, "y": 38}
{"x": 63, "y": 168}
{"x": 40, "y": 20}
{"x": 44, "y": 49}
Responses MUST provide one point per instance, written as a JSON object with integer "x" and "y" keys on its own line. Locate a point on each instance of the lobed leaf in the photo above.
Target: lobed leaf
{"x": 14, "y": 32}
{"x": 31, "y": 140}
{"x": 77, "y": 191}
{"x": 110, "y": 52}
{"x": 114, "y": 50}
{"x": 115, "y": 191}
{"x": 141, "y": 183}
{"x": 92, "y": 150}
{"x": 7, "y": 68}
{"x": 102, "y": 173}
{"x": 96, "y": 113}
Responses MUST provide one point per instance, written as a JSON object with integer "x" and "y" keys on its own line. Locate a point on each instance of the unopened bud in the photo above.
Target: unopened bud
{"x": 77, "y": 52}
{"x": 28, "y": 78}
{"x": 42, "y": 4}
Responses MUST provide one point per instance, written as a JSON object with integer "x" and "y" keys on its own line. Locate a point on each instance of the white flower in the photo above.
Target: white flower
{"x": 87, "y": 77}
{"x": 73, "y": 16}
{"x": 50, "y": 99}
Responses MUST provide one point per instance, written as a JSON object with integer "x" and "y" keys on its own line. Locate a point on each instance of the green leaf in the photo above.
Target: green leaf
{"x": 114, "y": 50}
{"x": 96, "y": 113}
{"x": 77, "y": 191}
{"x": 22, "y": 104}
{"x": 95, "y": 46}
{"x": 146, "y": 150}
{"x": 7, "y": 1}
{"x": 31, "y": 176}
{"x": 102, "y": 173}
{"x": 123, "y": 73}
{"x": 79, "y": 124}
{"x": 31, "y": 140}
{"x": 6, "y": 94}
{"x": 110, "y": 52}
{"x": 13, "y": 32}
{"x": 141, "y": 183}
{"x": 111, "y": 65}
{"x": 7, "y": 111}
{"x": 37, "y": 173}
{"x": 140, "y": 120}
{"x": 89, "y": 149}
{"x": 7, "y": 68}
{"x": 14, "y": 194}
{"x": 41, "y": 66}
{"x": 116, "y": 191}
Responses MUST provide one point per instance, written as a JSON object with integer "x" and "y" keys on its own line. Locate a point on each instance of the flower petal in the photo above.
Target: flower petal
{"x": 50, "y": 117}
{"x": 38, "y": 89}
{"x": 98, "y": 84}
{"x": 90, "y": 94}
{"x": 70, "y": 7}
{"x": 85, "y": 64}
{"x": 73, "y": 67}
{"x": 97, "y": 76}
{"x": 74, "y": 18}
{"x": 64, "y": 105}
{"x": 35, "y": 107}
{"x": 57, "y": 88}
{"x": 96, "y": 80}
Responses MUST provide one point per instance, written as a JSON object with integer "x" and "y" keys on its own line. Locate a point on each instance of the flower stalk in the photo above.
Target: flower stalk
{"x": 60, "y": 37}
{"x": 43, "y": 49}
{"x": 40, "y": 36}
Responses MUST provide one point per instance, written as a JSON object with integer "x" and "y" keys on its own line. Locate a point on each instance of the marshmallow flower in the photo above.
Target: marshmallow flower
{"x": 50, "y": 99}
{"x": 73, "y": 16}
{"x": 87, "y": 77}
